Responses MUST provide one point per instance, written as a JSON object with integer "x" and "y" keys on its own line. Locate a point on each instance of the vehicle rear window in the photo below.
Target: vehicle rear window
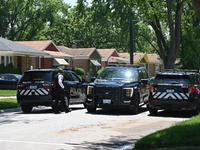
{"x": 39, "y": 76}
{"x": 172, "y": 79}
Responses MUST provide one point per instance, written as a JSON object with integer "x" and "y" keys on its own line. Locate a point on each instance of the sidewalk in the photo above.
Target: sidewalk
{"x": 1, "y": 97}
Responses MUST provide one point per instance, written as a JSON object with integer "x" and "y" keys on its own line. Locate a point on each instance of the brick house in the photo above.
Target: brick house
{"x": 55, "y": 58}
{"x": 19, "y": 55}
{"x": 137, "y": 57}
{"x": 153, "y": 64}
{"x": 110, "y": 56}
{"x": 88, "y": 59}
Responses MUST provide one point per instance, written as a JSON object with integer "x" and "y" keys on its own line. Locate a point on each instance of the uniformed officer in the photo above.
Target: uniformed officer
{"x": 59, "y": 92}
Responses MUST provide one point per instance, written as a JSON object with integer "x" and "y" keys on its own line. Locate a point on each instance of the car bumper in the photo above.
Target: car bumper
{"x": 109, "y": 103}
{"x": 46, "y": 100}
{"x": 171, "y": 104}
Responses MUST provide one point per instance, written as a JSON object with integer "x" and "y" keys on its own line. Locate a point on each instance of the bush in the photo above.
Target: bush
{"x": 99, "y": 71}
{"x": 8, "y": 69}
{"x": 78, "y": 71}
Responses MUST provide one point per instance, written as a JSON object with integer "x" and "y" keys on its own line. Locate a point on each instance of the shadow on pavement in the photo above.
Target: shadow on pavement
{"x": 113, "y": 143}
{"x": 175, "y": 114}
{"x": 116, "y": 111}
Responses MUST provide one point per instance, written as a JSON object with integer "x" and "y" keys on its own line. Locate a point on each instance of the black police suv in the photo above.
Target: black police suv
{"x": 175, "y": 90}
{"x": 119, "y": 86}
{"x": 36, "y": 87}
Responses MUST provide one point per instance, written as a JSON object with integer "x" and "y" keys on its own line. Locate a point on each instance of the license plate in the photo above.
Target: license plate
{"x": 170, "y": 90}
{"x": 33, "y": 87}
{"x": 107, "y": 101}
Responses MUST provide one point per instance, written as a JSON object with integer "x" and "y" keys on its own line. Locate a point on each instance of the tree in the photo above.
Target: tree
{"x": 196, "y": 5}
{"x": 23, "y": 19}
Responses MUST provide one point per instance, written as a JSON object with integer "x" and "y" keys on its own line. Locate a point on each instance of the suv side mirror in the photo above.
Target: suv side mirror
{"x": 144, "y": 81}
{"x": 92, "y": 79}
{"x": 83, "y": 80}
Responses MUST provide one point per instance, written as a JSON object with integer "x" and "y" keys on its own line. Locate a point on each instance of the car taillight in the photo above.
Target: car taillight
{"x": 191, "y": 90}
{"x": 49, "y": 85}
{"x": 20, "y": 86}
{"x": 151, "y": 88}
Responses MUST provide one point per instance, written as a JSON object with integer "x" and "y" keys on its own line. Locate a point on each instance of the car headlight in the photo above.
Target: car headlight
{"x": 89, "y": 89}
{"x": 128, "y": 92}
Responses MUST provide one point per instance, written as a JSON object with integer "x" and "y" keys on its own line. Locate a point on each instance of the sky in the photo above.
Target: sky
{"x": 73, "y": 2}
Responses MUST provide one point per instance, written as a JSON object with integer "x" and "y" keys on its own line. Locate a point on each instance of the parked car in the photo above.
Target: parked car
{"x": 119, "y": 86}
{"x": 9, "y": 81}
{"x": 36, "y": 87}
{"x": 175, "y": 90}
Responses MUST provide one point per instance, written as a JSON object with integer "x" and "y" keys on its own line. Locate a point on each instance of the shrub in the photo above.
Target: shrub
{"x": 99, "y": 71}
{"x": 8, "y": 69}
{"x": 78, "y": 71}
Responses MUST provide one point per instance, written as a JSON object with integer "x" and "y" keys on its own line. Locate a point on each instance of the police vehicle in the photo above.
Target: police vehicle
{"x": 175, "y": 90}
{"x": 36, "y": 88}
{"x": 119, "y": 86}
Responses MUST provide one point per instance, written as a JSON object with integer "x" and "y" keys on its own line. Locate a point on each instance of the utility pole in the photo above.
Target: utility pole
{"x": 131, "y": 39}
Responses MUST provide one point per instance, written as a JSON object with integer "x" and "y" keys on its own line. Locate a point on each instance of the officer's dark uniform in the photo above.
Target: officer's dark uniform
{"x": 59, "y": 95}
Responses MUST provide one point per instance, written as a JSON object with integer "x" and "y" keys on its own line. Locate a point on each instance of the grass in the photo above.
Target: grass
{"x": 6, "y": 93}
{"x": 182, "y": 136}
{"x": 6, "y": 103}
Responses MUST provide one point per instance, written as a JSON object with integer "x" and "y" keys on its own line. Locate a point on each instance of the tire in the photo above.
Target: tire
{"x": 26, "y": 108}
{"x": 91, "y": 109}
{"x": 153, "y": 111}
{"x": 196, "y": 111}
{"x": 135, "y": 108}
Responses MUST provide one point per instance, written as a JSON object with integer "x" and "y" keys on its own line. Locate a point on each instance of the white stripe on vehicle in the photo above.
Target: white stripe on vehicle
{"x": 164, "y": 95}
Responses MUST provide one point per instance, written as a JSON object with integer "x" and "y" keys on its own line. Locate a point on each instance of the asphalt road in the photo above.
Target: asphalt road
{"x": 79, "y": 130}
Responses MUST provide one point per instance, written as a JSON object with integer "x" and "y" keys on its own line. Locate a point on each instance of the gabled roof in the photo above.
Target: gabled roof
{"x": 117, "y": 60}
{"x": 124, "y": 55}
{"x": 153, "y": 59}
{"x": 59, "y": 54}
{"x": 7, "y": 46}
{"x": 106, "y": 53}
{"x": 47, "y": 46}
{"x": 40, "y": 45}
{"x": 77, "y": 52}
{"x": 136, "y": 56}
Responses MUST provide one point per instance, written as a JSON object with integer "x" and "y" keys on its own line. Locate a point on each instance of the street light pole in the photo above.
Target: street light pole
{"x": 131, "y": 39}
{"x": 131, "y": 42}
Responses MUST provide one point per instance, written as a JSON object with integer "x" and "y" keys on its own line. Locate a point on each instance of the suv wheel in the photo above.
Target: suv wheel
{"x": 135, "y": 109}
{"x": 90, "y": 109}
{"x": 196, "y": 111}
{"x": 153, "y": 111}
{"x": 26, "y": 108}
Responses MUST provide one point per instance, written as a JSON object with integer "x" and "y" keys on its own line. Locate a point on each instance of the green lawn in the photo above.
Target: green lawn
{"x": 6, "y": 103}
{"x": 182, "y": 136}
{"x": 5, "y": 93}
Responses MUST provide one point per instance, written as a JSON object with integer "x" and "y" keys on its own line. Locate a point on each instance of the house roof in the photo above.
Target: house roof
{"x": 153, "y": 59}
{"x": 77, "y": 52}
{"x": 124, "y": 55}
{"x": 137, "y": 56}
{"x": 58, "y": 54}
{"x": 118, "y": 60}
{"x": 10, "y": 47}
{"x": 47, "y": 46}
{"x": 40, "y": 45}
{"x": 106, "y": 53}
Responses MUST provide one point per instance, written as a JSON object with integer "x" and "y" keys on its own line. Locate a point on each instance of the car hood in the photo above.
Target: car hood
{"x": 112, "y": 82}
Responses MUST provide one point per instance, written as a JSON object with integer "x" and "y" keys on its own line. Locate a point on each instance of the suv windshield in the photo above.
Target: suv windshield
{"x": 172, "y": 79}
{"x": 118, "y": 74}
{"x": 37, "y": 76}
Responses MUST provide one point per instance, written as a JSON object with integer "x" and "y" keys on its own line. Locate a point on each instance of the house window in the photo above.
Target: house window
{"x": 6, "y": 60}
{"x": 2, "y": 60}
